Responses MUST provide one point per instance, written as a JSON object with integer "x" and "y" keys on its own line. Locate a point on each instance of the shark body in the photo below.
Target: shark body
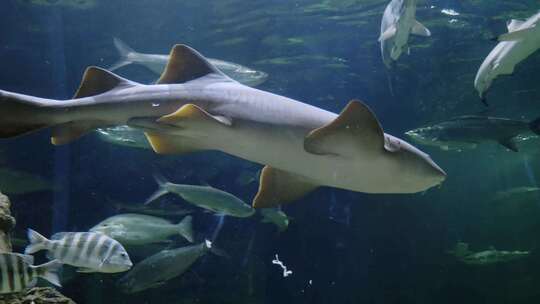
{"x": 195, "y": 107}
{"x": 398, "y": 22}
{"x": 522, "y": 39}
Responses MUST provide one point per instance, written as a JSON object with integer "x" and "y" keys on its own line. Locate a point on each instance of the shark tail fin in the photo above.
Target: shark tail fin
{"x": 535, "y": 126}
{"x": 162, "y": 188}
{"x": 124, "y": 51}
{"x": 185, "y": 228}
{"x": 16, "y": 111}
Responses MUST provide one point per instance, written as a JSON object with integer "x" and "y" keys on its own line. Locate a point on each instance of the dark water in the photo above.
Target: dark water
{"x": 343, "y": 247}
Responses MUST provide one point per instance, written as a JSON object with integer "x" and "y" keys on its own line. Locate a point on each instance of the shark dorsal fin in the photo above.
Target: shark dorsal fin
{"x": 355, "y": 128}
{"x": 96, "y": 81}
{"x": 186, "y": 64}
{"x": 513, "y": 24}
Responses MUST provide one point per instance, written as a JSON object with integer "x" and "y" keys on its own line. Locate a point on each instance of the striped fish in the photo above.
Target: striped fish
{"x": 89, "y": 251}
{"x": 17, "y": 272}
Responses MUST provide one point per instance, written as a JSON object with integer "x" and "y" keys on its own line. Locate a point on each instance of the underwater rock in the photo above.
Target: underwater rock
{"x": 36, "y": 295}
{"x": 7, "y": 223}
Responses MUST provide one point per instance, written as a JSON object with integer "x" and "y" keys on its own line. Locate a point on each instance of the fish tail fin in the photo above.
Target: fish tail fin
{"x": 219, "y": 252}
{"x": 535, "y": 126}
{"x": 124, "y": 51}
{"x": 19, "y": 114}
{"x": 162, "y": 188}
{"x": 49, "y": 271}
{"x": 185, "y": 228}
{"x": 37, "y": 242}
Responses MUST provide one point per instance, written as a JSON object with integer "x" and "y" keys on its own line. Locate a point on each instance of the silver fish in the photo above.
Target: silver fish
{"x": 485, "y": 257}
{"x": 206, "y": 197}
{"x": 140, "y": 229}
{"x": 154, "y": 271}
{"x": 276, "y": 217}
{"x": 156, "y": 63}
{"x": 18, "y": 273}
{"x": 124, "y": 136}
{"x": 91, "y": 252}
{"x": 195, "y": 107}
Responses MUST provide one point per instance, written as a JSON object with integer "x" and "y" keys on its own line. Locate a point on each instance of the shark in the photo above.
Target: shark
{"x": 194, "y": 106}
{"x": 522, "y": 40}
{"x": 398, "y": 22}
{"x": 157, "y": 62}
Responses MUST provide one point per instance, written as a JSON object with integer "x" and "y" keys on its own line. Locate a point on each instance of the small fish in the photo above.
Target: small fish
{"x": 155, "y": 270}
{"x": 18, "y": 273}
{"x": 124, "y": 136}
{"x": 398, "y": 22}
{"x": 522, "y": 40}
{"x": 140, "y": 229}
{"x": 156, "y": 63}
{"x": 517, "y": 194}
{"x": 19, "y": 182}
{"x": 276, "y": 217}
{"x": 485, "y": 257}
{"x": 468, "y": 131}
{"x": 206, "y": 197}
{"x": 91, "y": 252}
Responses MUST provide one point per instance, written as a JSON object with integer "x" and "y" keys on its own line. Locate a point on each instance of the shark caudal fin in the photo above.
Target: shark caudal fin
{"x": 535, "y": 126}
{"x": 21, "y": 114}
{"x": 124, "y": 51}
{"x": 95, "y": 81}
{"x": 186, "y": 64}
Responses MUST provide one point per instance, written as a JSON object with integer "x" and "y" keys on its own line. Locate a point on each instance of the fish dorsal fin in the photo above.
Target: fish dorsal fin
{"x": 97, "y": 81}
{"x": 278, "y": 187}
{"x": 186, "y": 64}
{"x": 355, "y": 128}
{"x": 513, "y": 24}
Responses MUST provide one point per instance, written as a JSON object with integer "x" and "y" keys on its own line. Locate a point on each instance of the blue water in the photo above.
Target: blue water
{"x": 343, "y": 247}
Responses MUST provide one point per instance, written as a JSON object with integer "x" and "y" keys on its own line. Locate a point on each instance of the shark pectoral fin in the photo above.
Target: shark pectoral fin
{"x": 356, "y": 128}
{"x": 169, "y": 144}
{"x": 509, "y": 143}
{"x": 513, "y": 24}
{"x": 420, "y": 30}
{"x": 388, "y": 33}
{"x": 186, "y": 64}
{"x": 68, "y": 132}
{"x": 190, "y": 115}
{"x": 96, "y": 81}
{"x": 518, "y": 34}
{"x": 278, "y": 187}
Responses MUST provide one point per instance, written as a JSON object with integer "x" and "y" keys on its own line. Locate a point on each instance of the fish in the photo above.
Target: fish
{"x": 398, "y": 22}
{"x": 206, "y": 197}
{"x": 517, "y": 194}
{"x": 195, "y": 107}
{"x": 156, "y": 63}
{"x": 140, "y": 229}
{"x": 157, "y": 269}
{"x": 486, "y": 257}
{"x": 89, "y": 251}
{"x": 19, "y": 182}
{"x": 276, "y": 217}
{"x": 522, "y": 40}
{"x": 17, "y": 272}
{"x": 466, "y": 132}
{"x": 124, "y": 136}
